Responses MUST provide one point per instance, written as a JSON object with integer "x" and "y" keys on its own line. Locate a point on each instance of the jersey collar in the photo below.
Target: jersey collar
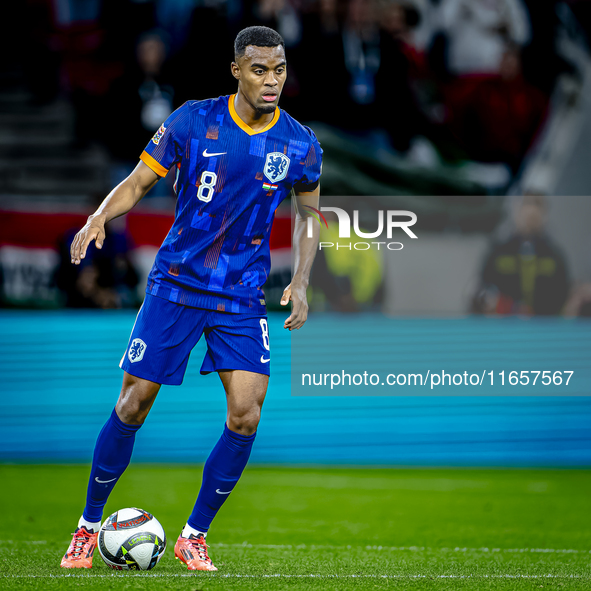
{"x": 249, "y": 130}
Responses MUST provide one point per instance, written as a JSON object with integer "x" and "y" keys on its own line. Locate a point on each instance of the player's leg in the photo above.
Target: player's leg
{"x": 114, "y": 446}
{"x": 238, "y": 349}
{"x": 112, "y": 454}
{"x": 158, "y": 351}
{"x": 245, "y": 393}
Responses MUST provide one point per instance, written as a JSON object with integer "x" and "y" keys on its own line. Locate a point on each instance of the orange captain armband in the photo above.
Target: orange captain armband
{"x": 153, "y": 164}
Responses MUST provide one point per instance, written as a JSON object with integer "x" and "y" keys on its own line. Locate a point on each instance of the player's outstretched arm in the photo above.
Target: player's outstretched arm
{"x": 304, "y": 251}
{"x": 118, "y": 202}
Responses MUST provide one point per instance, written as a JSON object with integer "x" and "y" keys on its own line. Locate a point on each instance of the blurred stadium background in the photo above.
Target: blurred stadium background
{"x": 453, "y": 109}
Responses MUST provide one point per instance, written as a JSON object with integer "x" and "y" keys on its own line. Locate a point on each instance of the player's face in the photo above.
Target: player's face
{"x": 261, "y": 75}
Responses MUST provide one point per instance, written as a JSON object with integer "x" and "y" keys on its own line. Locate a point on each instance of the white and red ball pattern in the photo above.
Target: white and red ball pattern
{"x": 131, "y": 539}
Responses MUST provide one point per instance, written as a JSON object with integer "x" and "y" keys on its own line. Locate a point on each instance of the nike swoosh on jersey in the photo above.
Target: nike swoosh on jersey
{"x": 104, "y": 481}
{"x": 217, "y": 490}
{"x": 206, "y": 155}
{"x": 263, "y": 360}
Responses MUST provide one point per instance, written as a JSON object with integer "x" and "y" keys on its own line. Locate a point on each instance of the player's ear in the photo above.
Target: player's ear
{"x": 235, "y": 68}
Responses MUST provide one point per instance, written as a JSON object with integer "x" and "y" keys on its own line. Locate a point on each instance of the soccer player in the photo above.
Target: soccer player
{"x": 235, "y": 159}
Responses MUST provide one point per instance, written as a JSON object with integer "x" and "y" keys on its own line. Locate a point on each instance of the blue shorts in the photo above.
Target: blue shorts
{"x": 165, "y": 333}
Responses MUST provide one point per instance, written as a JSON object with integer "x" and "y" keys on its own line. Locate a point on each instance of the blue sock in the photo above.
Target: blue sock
{"x": 221, "y": 472}
{"x": 112, "y": 454}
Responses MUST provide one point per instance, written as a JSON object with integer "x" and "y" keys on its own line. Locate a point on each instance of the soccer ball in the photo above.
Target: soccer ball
{"x": 131, "y": 539}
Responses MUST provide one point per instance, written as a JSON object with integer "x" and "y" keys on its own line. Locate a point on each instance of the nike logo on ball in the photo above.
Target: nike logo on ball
{"x": 206, "y": 155}
{"x": 217, "y": 490}
{"x": 104, "y": 481}
{"x": 263, "y": 360}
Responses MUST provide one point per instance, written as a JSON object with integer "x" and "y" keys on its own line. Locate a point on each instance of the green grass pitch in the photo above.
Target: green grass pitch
{"x": 319, "y": 528}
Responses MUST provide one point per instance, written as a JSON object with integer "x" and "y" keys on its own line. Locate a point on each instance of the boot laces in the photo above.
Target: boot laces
{"x": 78, "y": 543}
{"x": 199, "y": 545}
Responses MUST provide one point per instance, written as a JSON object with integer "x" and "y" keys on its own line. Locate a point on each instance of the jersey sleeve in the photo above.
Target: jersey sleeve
{"x": 312, "y": 167}
{"x": 167, "y": 147}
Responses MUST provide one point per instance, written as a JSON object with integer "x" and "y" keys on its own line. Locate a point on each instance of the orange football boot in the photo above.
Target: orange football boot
{"x": 82, "y": 547}
{"x": 193, "y": 552}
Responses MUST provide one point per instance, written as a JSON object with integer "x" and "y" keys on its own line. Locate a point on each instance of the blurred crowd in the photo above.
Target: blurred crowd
{"x": 105, "y": 278}
{"x": 527, "y": 272}
{"x": 522, "y": 270}
{"x": 473, "y": 77}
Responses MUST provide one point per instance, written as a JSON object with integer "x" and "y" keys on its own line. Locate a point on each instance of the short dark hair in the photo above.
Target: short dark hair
{"x": 259, "y": 36}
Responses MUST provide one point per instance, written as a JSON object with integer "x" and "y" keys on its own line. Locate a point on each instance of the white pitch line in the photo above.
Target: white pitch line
{"x": 367, "y": 548}
{"x": 283, "y": 576}
{"x": 399, "y": 548}
{"x": 23, "y": 541}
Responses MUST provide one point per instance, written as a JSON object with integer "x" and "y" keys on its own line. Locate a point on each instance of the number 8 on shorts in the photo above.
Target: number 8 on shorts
{"x": 265, "y": 329}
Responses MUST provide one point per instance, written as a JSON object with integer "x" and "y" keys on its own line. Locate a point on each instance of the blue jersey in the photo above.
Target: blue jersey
{"x": 229, "y": 181}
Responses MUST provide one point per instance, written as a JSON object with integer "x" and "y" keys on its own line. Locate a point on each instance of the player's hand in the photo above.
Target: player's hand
{"x": 93, "y": 230}
{"x": 299, "y": 309}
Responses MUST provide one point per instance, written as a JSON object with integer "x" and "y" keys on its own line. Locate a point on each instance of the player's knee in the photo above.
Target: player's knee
{"x": 135, "y": 400}
{"x": 245, "y": 423}
{"x": 130, "y": 411}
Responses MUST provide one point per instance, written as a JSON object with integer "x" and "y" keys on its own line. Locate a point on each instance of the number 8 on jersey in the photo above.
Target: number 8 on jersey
{"x": 206, "y": 187}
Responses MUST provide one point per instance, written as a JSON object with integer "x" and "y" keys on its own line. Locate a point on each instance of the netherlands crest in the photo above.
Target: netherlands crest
{"x": 276, "y": 166}
{"x": 158, "y": 135}
{"x": 136, "y": 350}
